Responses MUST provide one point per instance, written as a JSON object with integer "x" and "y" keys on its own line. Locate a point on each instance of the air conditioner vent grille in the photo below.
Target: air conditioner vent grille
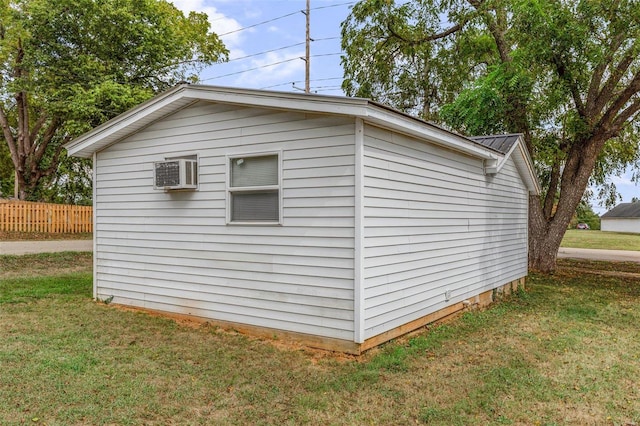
{"x": 176, "y": 174}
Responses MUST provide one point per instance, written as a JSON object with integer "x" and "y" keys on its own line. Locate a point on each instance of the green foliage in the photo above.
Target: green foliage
{"x": 67, "y": 66}
{"x": 566, "y": 75}
{"x": 6, "y": 172}
{"x": 585, "y": 214}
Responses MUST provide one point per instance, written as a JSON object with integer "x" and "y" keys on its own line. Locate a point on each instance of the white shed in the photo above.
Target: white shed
{"x": 335, "y": 221}
{"x": 624, "y": 217}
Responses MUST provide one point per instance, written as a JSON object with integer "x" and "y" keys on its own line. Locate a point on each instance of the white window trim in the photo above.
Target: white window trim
{"x": 229, "y": 189}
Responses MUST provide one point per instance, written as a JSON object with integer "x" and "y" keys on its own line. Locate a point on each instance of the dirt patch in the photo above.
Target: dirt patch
{"x": 39, "y": 236}
{"x": 313, "y": 354}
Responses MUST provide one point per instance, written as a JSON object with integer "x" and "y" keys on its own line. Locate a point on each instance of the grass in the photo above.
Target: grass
{"x": 577, "y": 238}
{"x": 563, "y": 352}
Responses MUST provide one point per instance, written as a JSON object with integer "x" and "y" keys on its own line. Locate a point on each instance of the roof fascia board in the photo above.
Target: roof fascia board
{"x": 503, "y": 161}
{"x": 414, "y": 127}
{"x": 525, "y": 166}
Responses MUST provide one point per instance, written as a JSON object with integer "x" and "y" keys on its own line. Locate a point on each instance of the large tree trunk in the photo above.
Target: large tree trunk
{"x": 545, "y": 237}
{"x": 547, "y": 226}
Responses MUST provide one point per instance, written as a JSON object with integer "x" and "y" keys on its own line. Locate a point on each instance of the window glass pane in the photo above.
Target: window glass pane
{"x": 254, "y": 171}
{"x": 254, "y": 206}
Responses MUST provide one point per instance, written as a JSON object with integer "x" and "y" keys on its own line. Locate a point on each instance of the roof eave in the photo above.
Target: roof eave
{"x": 181, "y": 96}
{"x": 525, "y": 166}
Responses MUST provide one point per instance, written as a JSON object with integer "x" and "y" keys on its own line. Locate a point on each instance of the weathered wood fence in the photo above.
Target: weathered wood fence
{"x": 25, "y": 216}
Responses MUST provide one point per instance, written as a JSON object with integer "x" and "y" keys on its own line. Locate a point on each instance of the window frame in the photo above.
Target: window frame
{"x": 230, "y": 190}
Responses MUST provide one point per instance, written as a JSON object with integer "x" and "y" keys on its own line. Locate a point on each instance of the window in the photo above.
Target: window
{"x": 254, "y": 189}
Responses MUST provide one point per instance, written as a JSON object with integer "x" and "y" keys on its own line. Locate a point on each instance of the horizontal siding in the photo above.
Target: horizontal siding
{"x": 174, "y": 251}
{"x": 433, "y": 222}
{"x": 620, "y": 225}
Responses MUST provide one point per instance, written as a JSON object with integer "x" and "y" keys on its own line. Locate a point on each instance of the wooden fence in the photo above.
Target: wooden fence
{"x": 25, "y": 216}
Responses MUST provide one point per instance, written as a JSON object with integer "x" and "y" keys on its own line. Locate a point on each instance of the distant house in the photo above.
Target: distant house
{"x": 624, "y": 217}
{"x": 335, "y": 221}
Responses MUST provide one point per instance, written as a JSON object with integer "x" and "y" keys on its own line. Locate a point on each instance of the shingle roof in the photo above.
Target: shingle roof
{"x": 500, "y": 143}
{"x": 624, "y": 210}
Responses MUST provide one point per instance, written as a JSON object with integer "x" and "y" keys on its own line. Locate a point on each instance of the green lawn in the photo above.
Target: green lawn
{"x": 577, "y": 238}
{"x": 565, "y": 351}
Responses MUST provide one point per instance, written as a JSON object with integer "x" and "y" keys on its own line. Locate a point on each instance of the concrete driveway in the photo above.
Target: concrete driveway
{"x": 593, "y": 254}
{"x": 47, "y": 246}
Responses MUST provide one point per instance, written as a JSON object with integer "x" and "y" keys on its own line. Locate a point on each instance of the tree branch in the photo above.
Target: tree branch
{"x": 427, "y": 39}
{"x": 625, "y": 115}
{"x": 607, "y": 91}
{"x": 550, "y": 197}
{"x": 8, "y": 136}
{"x": 37, "y": 126}
{"x": 565, "y": 75}
{"x": 21, "y": 136}
{"x": 39, "y": 173}
{"x": 41, "y": 147}
{"x": 494, "y": 28}
{"x": 623, "y": 98}
{"x": 598, "y": 73}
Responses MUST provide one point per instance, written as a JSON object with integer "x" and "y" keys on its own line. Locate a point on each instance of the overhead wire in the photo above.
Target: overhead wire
{"x": 279, "y": 48}
{"x": 282, "y": 17}
{"x": 268, "y": 65}
{"x": 300, "y": 81}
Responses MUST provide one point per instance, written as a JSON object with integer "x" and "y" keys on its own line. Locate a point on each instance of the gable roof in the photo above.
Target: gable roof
{"x": 512, "y": 146}
{"x": 183, "y": 95}
{"x": 501, "y": 143}
{"x": 623, "y": 211}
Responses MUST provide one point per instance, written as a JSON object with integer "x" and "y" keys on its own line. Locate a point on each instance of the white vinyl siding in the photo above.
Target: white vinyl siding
{"x": 620, "y": 224}
{"x": 435, "y": 223}
{"x": 175, "y": 252}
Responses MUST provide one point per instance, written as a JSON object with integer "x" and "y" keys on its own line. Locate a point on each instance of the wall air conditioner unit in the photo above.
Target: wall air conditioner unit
{"x": 180, "y": 173}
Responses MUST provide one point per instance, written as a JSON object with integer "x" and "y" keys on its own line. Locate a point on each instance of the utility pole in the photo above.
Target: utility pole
{"x": 307, "y": 58}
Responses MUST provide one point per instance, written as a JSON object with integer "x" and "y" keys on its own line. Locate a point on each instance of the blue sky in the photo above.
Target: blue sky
{"x": 266, "y": 39}
{"x": 266, "y": 55}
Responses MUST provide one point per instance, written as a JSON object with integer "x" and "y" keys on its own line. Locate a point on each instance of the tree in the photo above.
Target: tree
{"x": 565, "y": 74}
{"x": 585, "y": 214}
{"x": 69, "y": 65}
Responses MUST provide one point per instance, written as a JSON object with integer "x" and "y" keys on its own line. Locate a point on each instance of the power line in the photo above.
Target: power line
{"x": 326, "y": 54}
{"x": 300, "y": 81}
{"x": 282, "y": 17}
{"x": 266, "y": 51}
{"x": 334, "y": 5}
{"x": 268, "y": 65}
{"x": 252, "y": 69}
{"x": 259, "y": 23}
{"x": 279, "y": 48}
